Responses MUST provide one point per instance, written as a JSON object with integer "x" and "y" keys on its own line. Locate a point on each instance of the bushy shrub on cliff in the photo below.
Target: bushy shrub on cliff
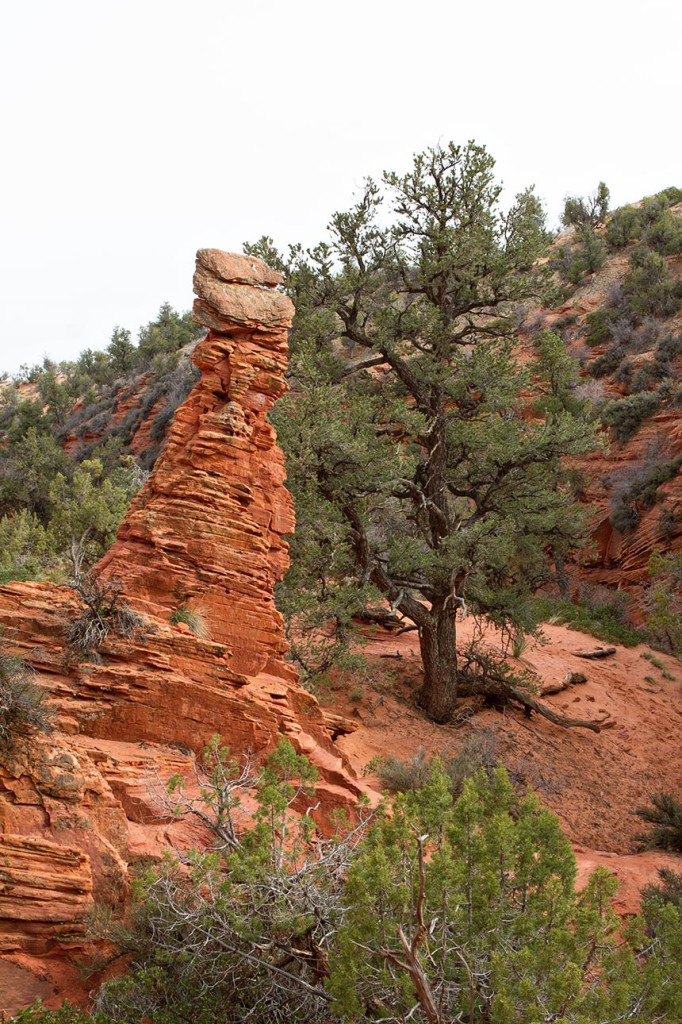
{"x": 638, "y": 488}
{"x": 23, "y": 711}
{"x": 105, "y": 612}
{"x": 664, "y": 818}
{"x": 587, "y": 211}
{"x": 650, "y": 289}
{"x": 626, "y": 415}
{"x": 242, "y": 933}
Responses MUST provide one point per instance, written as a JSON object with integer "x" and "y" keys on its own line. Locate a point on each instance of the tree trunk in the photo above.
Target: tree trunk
{"x": 561, "y": 577}
{"x": 438, "y": 695}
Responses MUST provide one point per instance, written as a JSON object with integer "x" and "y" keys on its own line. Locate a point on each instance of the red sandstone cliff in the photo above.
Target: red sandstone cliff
{"x": 206, "y": 531}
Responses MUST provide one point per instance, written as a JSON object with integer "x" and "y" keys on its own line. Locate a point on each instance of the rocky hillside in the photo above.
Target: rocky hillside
{"x": 81, "y": 805}
{"x": 195, "y": 644}
{"x": 622, "y": 322}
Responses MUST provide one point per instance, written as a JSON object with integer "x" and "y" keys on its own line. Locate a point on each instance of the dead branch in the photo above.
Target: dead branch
{"x": 598, "y": 652}
{"x": 488, "y": 676}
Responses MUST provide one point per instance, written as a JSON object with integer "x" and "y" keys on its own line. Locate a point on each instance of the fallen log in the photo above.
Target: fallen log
{"x": 598, "y": 652}
{"x": 570, "y": 679}
{"x": 541, "y": 709}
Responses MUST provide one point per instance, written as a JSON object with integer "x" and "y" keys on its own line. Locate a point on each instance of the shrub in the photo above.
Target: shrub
{"x": 668, "y": 348}
{"x": 626, "y": 415}
{"x": 669, "y": 890}
{"x": 105, "y": 612}
{"x": 591, "y": 253}
{"x": 586, "y": 211}
{"x": 665, "y": 817}
{"x": 157, "y": 431}
{"x": 599, "y": 327}
{"x": 663, "y": 600}
{"x": 672, "y": 195}
{"x": 665, "y": 234}
{"x": 602, "y": 615}
{"x": 241, "y": 933}
{"x": 467, "y": 911}
{"x": 668, "y": 522}
{"x": 22, "y": 704}
{"x": 649, "y": 288}
{"x": 608, "y": 362}
{"x": 640, "y": 487}
{"x": 194, "y": 619}
{"x": 622, "y": 330}
{"x": 65, "y": 1014}
{"x": 623, "y": 374}
{"x": 479, "y": 751}
{"x": 625, "y": 516}
{"x": 624, "y": 226}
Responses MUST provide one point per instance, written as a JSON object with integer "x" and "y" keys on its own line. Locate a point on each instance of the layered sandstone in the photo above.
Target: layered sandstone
{"x": 206, "y": 532}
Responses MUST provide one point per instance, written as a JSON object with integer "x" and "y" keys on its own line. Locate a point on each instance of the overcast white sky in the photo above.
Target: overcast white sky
{"x": 136, "y": 131}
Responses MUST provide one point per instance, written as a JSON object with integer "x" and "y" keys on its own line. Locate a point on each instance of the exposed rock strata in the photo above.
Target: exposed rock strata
{"x": 205, "y": 532}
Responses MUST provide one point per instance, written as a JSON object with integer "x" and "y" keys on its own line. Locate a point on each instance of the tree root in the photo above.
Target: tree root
{"x": 506, "y": 693}
{"x": 485, "y": 676}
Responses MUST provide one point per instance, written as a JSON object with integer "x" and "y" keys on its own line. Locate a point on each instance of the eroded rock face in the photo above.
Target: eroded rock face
{"x": 206, "y": 531}
{"x": 77, "y": 808}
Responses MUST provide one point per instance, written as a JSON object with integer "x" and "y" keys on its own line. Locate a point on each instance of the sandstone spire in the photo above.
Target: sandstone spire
{"x": 206, "y": 529}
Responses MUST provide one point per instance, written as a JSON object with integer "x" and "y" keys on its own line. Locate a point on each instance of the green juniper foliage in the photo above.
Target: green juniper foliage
{"x": 467, "y": 911}
{"x": 448, "y": 910}
{"x": 415, "y": 473}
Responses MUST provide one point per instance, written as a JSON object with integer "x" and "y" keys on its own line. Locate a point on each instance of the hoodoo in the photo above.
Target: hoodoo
{"x": 206, "y": 530}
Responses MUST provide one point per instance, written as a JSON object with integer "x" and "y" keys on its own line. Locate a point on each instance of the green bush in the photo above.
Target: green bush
{"x": 240, "y": 933}
{"x": 672, "y": 195}
{"x": 626, "y": 415}
{"x": 668, "y": 890}
{"x": 665, "y": 234}
{"x": 649, "y": 288}
{"x": 604, "y": 617}
{"x": 663, "y": 600}
{"x": 668, "y": 348}
{"x": 640, "y": 488}
{"x": 467, "y": 911}
{"x": 609, "y": 362}
{"x": 586, "y": 211}
{"x": 598, "y": 324}
{"x": 665, "y": 818}
{"x": 625, "y": 516}
{"x": 624, "y": 226}
{"x": 66, "y": 1014}
{"x": 23, "y": 711}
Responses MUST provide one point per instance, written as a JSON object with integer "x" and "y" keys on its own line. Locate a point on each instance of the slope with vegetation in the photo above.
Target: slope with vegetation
{"x": 76, "y": 442}
{"x": 620, "y": 317}
{"x": 454, "y": 375}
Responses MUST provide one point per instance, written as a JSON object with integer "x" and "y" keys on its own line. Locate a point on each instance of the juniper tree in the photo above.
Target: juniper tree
{"x": 409, "y": 443}
{"x": 467, "y": 911}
